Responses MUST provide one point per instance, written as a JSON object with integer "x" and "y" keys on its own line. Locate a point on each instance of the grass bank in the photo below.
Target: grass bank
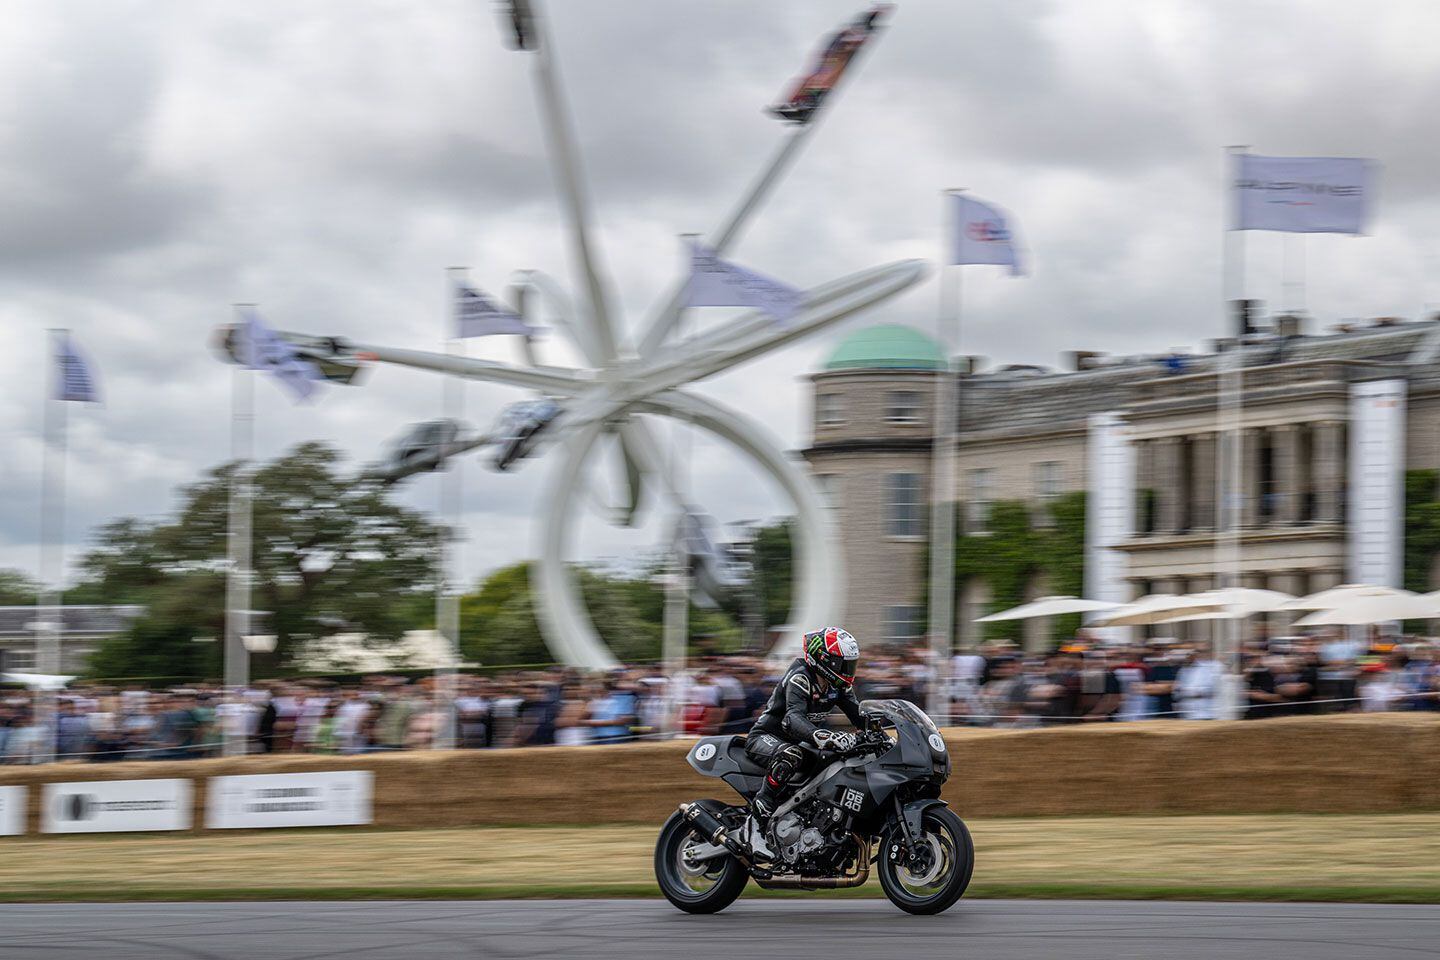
{"x": 1390, "y": 858}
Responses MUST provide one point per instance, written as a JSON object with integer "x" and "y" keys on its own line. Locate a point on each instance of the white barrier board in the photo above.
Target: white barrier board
{"x": 337, "y": 799}
{"x": 115, "y": 806}
{"x": 12, "y": 811}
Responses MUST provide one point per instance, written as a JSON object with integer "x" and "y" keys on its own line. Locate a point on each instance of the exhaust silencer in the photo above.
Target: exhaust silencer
{"x": 711, "y": 828}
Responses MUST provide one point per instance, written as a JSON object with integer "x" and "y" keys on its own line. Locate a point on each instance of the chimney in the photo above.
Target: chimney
{"x": 1289, "y": 325}
{"x": 1078, "y": 360}
{"x": 1247, "y": 316}
{"x": 968, "y": 366}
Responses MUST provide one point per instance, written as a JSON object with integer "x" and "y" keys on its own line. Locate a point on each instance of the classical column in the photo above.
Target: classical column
{"x": 1250, "y": 439}
{"x": 1202, "y": 484}
{"x": 1144, "y": 481}
{"x": 1287, "y": 473}
{"x": 1168, "y": 485}
{"x": 1329, "y": 470}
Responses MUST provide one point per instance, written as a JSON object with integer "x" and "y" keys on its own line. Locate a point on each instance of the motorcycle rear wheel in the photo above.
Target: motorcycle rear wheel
{"x": 946, "y": 876}
{"x": 695, "y": 889}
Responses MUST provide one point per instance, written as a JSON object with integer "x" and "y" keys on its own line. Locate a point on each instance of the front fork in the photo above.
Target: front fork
{"x": 909, "y": 850}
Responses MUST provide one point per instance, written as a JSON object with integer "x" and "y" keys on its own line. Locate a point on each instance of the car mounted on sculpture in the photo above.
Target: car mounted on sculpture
{"x": 878, "y": 802}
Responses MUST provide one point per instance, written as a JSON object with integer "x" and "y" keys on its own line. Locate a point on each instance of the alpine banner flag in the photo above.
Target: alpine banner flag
{"x": 1303, "y": 194}
{"x": 718, "y": 283}
{"x": 74, "y": 379}
{"x": 476, "y": 315}
{"x": 983, "y": 235}
{"x": 261, "y": 348}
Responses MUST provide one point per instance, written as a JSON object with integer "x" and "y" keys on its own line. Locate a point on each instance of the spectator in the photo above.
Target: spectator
{"x": 1197, "y": 684}
{"x": 613, "y": 714}
{"x": 572, "y": 724}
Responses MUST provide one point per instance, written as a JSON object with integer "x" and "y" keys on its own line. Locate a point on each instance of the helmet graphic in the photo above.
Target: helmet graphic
{"x": 833, "y": 654}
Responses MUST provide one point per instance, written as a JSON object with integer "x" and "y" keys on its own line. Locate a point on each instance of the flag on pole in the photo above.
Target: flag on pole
{"x": 983, "y": 235}
{"x": 75, "y": 381}
{"x": 476, "y": 315}
{"x": 1302, "y": 194}
{"x": 718, "y": 283}
{"x": 261, "y": 348}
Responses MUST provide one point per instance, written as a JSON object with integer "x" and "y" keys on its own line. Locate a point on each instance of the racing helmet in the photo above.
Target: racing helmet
{"x": 833, "y": 654}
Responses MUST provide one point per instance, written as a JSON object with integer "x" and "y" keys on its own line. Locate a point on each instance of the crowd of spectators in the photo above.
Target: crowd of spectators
{"x": 998, "y": 685}
{"x": 1085, "y": 682}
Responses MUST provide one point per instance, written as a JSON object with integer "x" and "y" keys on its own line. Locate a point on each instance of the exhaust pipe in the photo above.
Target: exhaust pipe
{"x": 713, "y": 830}
{"x": 796, "y": 882}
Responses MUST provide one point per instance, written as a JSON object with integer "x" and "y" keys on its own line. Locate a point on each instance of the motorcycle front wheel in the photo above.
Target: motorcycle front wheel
{"x": 704, "y": 887}
{"x": 947, "y": 858}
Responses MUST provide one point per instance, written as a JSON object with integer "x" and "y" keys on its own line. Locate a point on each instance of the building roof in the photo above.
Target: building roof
{"x": 1024, "y": 398}
{"x": 887, "y": 346}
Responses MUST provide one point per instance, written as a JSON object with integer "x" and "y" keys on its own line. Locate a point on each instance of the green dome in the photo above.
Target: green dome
{"x": 887, "y": 346}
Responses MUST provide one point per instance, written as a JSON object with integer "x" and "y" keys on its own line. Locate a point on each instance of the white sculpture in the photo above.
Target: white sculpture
{"x": 625, "y": 385}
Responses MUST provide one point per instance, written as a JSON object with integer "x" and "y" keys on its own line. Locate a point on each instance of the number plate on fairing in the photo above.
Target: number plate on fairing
{"x": 852, "y": 800}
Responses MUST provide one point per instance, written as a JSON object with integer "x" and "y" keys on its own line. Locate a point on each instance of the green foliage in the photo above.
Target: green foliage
{"x": 1015, "y": 549}
{"x": 329, "y": 551}
{"x": 1422, "y": 527}
{"x": 16, "y": 588}
{"x": 775, "y": 569}
{"x": 497, "y": 620}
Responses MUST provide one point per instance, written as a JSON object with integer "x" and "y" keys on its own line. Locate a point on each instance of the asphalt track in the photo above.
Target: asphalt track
{"x": 831, "y": 929}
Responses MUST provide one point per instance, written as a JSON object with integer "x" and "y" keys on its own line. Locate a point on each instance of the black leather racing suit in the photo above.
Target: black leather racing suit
{"x": 796, "y": 709}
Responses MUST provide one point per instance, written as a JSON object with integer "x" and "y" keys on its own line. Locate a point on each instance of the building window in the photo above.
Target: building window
{"x": 907, "y": 514}
{"x": 1047, "y": 490}
{"x": 829, "y": 485}
{"x": 829, "y": 409}
{"x": 981, "y": 488}
{"x": 905, "y": 622}
{"x": 1047, "y": 480}
{"x": 19, "y": 659}
{"x": 902, "y": 406}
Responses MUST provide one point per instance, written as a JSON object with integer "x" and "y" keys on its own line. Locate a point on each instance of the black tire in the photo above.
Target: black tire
{"x": 725, "y": 883}
{"x": 949, "y": 832}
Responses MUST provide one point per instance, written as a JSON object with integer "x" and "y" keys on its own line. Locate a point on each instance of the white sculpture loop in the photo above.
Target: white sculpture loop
{"x": 626, "y": 384}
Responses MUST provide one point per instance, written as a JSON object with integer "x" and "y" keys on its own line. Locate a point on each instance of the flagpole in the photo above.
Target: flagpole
{"x": 1229, "y": 426}
{"x": 447, "y": 600}
{"x": 943, "y": 451}
{"x": 676, "y": 614}
{"x": 239, "y": 550}
{"x": 49, "y": 615}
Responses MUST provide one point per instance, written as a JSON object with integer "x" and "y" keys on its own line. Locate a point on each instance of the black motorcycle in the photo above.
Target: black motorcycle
{"x": 877, "y": 802}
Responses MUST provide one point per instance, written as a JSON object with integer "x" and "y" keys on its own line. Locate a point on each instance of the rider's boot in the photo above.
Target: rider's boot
{"x": 763, "y": 804}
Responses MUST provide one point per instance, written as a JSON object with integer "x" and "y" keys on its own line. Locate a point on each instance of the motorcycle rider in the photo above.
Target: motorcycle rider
{"x": 816, "y": 683}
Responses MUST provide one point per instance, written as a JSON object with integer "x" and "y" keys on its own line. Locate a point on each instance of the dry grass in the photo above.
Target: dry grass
{"x": 1254, "y": 852}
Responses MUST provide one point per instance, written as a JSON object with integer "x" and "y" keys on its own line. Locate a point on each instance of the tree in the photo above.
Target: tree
{"x": 329, "y": 552}
{"x": 17, "y": 589}
{"x": 498, "y": 625}
{"x": 775, "y": 569}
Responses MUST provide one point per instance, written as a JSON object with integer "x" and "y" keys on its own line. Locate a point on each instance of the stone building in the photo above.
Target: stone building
{"x": 83, "y": 629}
{"x": 1028, "y": 433}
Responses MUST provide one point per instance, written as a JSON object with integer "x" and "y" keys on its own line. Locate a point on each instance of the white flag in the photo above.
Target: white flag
{"x": 718, "y": 283}
{"x": 983, "y": 235}
{"x": 1302, "y": 194}
{"x": 74, "y": 381}
{"x": 476, "y": 315}
{"x": 261, "y": 348}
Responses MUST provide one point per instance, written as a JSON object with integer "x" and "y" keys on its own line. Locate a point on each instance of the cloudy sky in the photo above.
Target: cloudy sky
{"x": 160, "y": 160}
